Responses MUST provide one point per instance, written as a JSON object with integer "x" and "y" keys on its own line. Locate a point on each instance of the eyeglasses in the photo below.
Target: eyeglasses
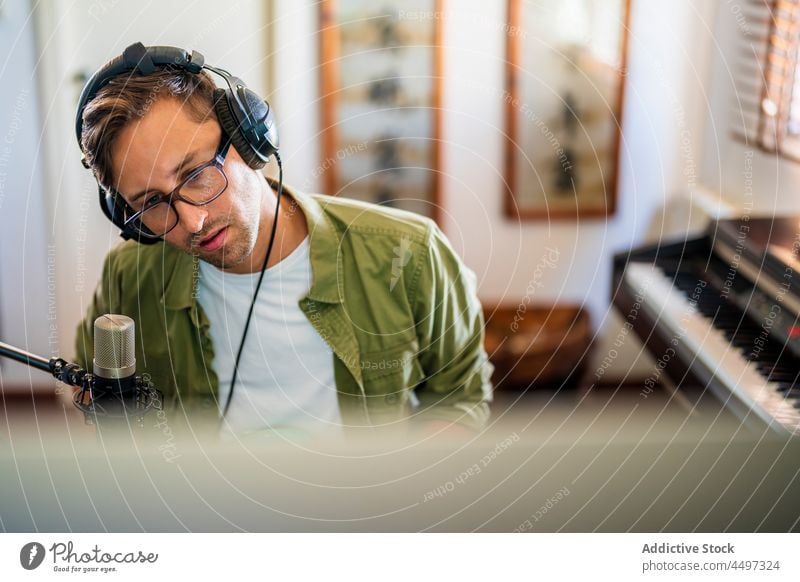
{"x": 156, "y": 215}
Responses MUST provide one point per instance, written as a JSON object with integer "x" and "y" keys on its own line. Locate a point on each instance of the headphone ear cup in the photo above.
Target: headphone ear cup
{"x": 264, "y": 135}
{"x": 111, "y": 208}
{"x": 230, "y": 126}
{"x": 115, "y": 210}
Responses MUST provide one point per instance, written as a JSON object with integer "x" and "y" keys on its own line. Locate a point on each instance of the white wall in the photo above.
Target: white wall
{"x": 27, "y": 280}
{"x": 660, "y": 99}
{"x": 295, "y": 93}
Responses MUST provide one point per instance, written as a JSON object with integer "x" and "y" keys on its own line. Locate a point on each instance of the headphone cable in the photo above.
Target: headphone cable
{"x": 258, "y": 285}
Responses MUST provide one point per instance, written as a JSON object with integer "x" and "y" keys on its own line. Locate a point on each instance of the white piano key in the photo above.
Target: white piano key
{"x": 702, "y": 343}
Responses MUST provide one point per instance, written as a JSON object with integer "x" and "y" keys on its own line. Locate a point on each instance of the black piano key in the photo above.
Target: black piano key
{"x": 783, "y": 379}
{"x": 794, "y": 379}
{"x": 767, "y": 368}
{"x": 779, "y": 363}
{"x": 745, "y": 335}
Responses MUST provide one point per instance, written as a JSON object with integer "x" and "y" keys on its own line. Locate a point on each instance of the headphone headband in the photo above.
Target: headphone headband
{"x": 139, "y": 58}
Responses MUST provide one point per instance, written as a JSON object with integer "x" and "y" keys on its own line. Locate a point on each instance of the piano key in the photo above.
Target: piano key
{"x": 728, "y": 370}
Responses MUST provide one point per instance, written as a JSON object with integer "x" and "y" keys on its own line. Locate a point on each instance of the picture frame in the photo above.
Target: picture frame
{"x": 565, "y": 77}
{"x": 380, "y": 81}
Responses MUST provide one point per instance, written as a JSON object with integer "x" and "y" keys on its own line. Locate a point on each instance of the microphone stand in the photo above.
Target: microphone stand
{"x": 59, "y": 368}
{"x": 145, "y": 398}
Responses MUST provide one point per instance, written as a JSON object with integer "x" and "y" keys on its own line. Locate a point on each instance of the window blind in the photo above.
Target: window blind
{"x": 766, "y": 105}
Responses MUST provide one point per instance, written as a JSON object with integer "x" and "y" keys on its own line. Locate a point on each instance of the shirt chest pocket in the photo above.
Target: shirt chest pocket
{"x": 390, "y": 375}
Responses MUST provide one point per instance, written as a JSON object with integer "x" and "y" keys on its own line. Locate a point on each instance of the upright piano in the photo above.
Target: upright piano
{"x": 720, "y": 311}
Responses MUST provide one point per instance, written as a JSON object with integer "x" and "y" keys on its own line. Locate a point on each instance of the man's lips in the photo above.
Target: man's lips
{"x": 215, "y": 240}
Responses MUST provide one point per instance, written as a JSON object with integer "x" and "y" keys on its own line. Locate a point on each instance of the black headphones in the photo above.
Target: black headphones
{"x": 244, "y": 117}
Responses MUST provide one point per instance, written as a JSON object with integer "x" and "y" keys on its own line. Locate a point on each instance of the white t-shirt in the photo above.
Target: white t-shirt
{"x": 286, "y": 381}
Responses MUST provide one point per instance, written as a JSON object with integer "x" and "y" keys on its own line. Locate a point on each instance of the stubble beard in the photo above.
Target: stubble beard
{"x": 239, "y": 244}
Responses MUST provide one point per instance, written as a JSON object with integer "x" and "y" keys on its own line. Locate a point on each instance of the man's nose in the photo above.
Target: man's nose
{"x": 192, "y": 218}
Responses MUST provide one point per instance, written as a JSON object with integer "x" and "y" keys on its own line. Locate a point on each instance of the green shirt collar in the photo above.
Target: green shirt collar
{"x": 326, "y": 260}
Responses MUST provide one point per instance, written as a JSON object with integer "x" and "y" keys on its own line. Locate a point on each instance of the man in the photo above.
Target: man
{"x": 365, "y": 317}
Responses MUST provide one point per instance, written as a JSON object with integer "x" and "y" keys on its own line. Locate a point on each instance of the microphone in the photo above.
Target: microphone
{"x": 113, "y": 390}
{"x": 116, "y": 390}
{"x": 114, "y": 363}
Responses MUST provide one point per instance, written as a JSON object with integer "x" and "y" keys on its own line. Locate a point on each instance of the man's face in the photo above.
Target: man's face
{"x": 153, "y": 155}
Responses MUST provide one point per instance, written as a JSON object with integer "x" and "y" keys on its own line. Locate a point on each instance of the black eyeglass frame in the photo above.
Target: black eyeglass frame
{"x": 169, "y": 198}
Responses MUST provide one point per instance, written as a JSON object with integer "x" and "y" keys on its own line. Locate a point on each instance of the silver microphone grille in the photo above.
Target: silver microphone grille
{"x": 114, "y": 347}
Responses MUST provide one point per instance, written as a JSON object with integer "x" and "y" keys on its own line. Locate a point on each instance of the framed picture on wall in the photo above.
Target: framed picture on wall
{"x": 563, "y": 100}
{"x": 380, "y": 87}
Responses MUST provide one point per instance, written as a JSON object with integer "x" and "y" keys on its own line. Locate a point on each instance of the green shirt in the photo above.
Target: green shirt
{"x": 389, "y": 296}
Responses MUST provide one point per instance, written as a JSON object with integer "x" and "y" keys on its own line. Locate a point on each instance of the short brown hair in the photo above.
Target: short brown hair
{"x": 129, "y": 96}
